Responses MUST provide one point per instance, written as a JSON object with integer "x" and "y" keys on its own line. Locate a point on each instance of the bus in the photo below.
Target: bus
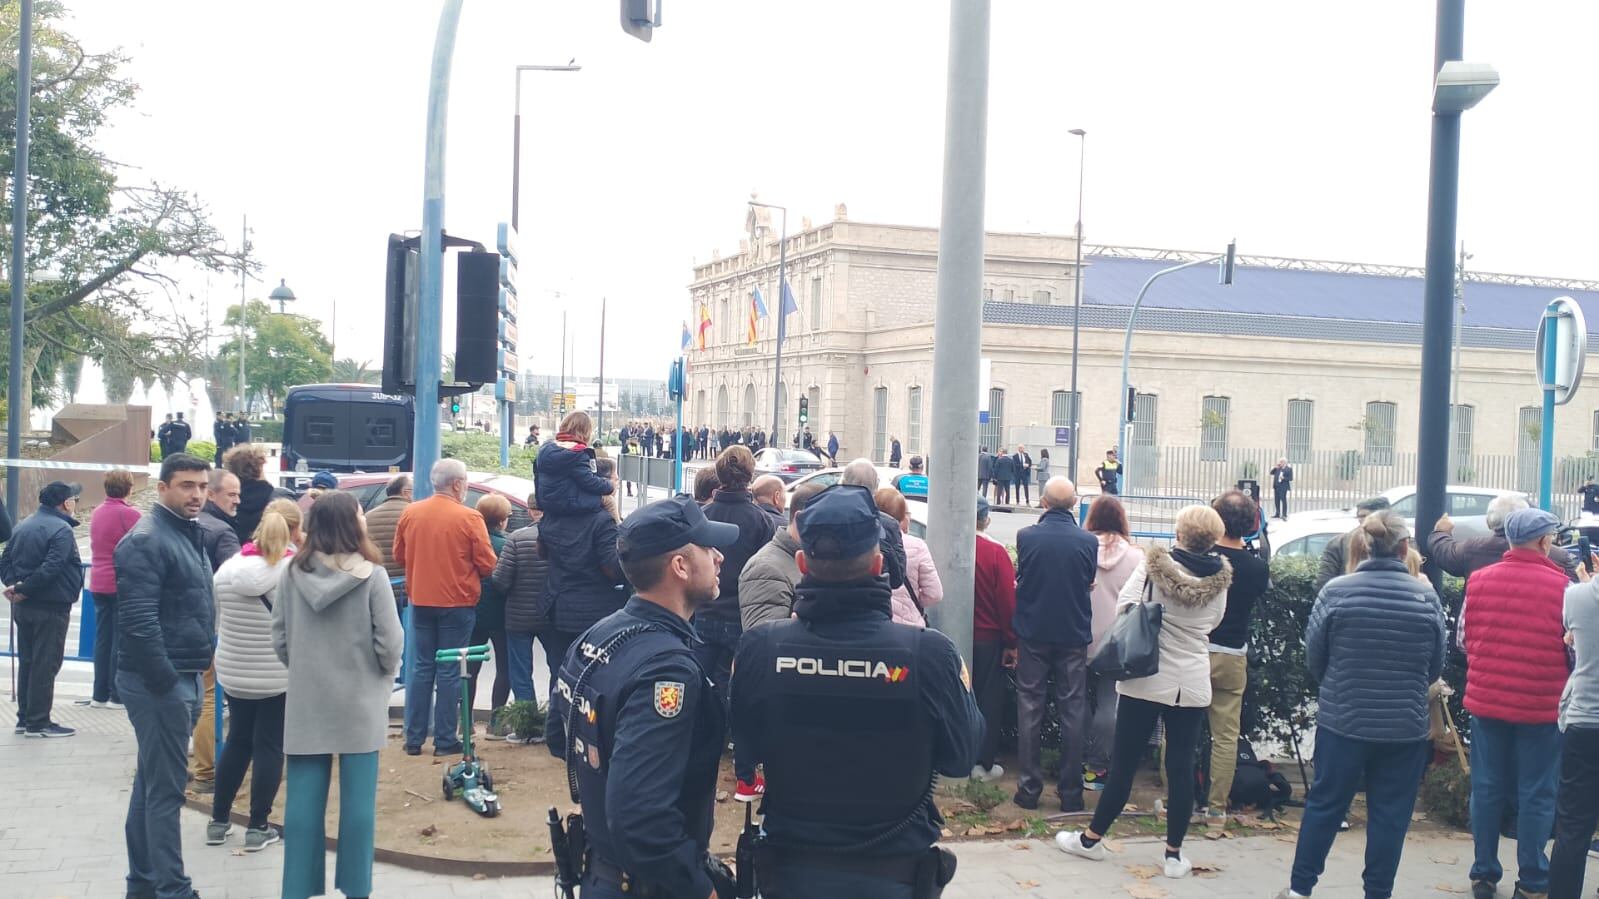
{"x": 346, "y": 427}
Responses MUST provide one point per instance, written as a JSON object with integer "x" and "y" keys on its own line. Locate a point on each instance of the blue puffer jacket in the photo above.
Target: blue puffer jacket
{"x": 564, "y": 479}
{"x": 1376, "y": 643}
{"x": 166, "y": 616}
{"x": 42, "y": 559}
{"x": 584, "y": 582}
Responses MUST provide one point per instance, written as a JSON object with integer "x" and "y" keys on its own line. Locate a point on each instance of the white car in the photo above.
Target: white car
{"x": 827, "y": 477}
{"x": 1466, "y": 506}
{"x": 1306, "y": 537}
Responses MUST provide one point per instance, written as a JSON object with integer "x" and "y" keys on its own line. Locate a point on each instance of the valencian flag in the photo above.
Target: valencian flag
{"x": 705, "y": 323}
{"x": 757, "y": 312}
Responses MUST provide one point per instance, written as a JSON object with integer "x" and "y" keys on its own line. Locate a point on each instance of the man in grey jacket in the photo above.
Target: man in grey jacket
{"x": 1334, "y": 559}
{"x": 1577, "y": 804}
{"x": 766, "y": 585}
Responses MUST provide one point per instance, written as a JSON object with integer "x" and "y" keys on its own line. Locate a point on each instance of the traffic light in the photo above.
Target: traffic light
{"x": 455, "y": 406}
{"x": 805, "y": 411}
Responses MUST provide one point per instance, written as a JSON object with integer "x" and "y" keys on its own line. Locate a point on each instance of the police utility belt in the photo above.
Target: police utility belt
{"x": 927, "y": 872}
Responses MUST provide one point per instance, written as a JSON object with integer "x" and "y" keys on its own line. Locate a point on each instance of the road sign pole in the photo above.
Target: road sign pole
{"x": 1546, "y": 435}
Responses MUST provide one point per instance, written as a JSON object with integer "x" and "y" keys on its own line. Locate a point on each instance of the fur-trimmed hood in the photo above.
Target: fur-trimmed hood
{"x": 1181, "y": 586}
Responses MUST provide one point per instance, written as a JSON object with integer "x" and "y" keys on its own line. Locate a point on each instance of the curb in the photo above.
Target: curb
{"x": 428, "y": 864}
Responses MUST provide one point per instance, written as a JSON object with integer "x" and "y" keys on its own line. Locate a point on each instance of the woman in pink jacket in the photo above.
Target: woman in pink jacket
{"x": 1118, "y": 556}
{"x": 111, "y": 521}
{"x": 922, "y": 587}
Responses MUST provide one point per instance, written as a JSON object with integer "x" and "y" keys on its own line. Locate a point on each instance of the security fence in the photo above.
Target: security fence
{"x": 1339, "y": 478}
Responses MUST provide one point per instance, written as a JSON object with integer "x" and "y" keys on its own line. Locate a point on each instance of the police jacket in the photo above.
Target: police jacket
{"x": 852, "y": 714}
{"x": 42, "y": 559}
{"x": 646, "y": 742}
{"x": 166, "y": 617}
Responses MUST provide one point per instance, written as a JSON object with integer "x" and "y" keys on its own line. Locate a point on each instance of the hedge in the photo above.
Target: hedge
{"x": 1280, "y": 702}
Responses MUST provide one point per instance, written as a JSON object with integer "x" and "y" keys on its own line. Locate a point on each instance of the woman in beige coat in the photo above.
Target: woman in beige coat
{"x": 1190, "y": 583}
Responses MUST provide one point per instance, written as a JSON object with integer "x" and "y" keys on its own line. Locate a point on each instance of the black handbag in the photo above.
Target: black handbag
{"x": 1132, "y": 648}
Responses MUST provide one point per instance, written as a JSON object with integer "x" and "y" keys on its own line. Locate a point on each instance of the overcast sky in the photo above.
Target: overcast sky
{"x": 1301, "y": 129}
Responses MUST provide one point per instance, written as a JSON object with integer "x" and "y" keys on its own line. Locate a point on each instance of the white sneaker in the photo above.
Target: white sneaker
{"x": 987, "y": 775}
{"x": 1178, "y": 867}
{"x": 1071, "y": 843}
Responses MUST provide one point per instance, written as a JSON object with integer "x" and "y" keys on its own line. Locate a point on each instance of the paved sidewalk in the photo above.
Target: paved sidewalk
{"x": 65, "y": 800}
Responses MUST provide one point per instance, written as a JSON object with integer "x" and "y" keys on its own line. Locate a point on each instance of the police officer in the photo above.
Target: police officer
{"x": 852, "y": 715}
{"x": 645, "y": 730}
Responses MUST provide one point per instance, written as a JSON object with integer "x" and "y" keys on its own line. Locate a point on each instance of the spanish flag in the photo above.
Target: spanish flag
{"x": 705, "y": 323}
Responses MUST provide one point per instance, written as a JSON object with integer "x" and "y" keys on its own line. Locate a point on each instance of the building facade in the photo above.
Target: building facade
{"x": 1308, "y": 359}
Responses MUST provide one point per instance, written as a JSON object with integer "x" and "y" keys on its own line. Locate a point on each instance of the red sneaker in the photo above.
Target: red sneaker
{"x": 747, "y": 792}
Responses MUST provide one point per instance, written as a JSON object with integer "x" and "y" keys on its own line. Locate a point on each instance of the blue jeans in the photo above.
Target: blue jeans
{"x": 161, "y": 724}
{"x": 1390, "y": 773}
{"x": 305, "y": 812}
{"x": 433, "y": 629}
{"x": 1513, "y": 760}
{"x": 519, "y": 659}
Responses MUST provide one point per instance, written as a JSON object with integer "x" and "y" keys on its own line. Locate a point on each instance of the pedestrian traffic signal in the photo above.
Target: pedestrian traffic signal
{"x": 805, "y": 410}
{"x": 455, "y": 406}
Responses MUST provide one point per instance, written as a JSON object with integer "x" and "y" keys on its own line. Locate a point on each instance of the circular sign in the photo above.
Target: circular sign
{"x": 1564, "y": 317}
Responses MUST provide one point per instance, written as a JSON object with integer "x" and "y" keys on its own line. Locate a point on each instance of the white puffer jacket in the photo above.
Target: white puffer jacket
{"x": 1194, "y": 605}
{"x": 247, "y": 665}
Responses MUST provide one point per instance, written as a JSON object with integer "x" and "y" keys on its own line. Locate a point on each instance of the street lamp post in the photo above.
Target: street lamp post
{"x": 1457, "y": 87}
{"x": 1077, "y": 303}
{"x": 508, "y": 410}
{"x": 782, "y": 285}
{"x": 282, "y": 295}
{"x": 18, "y": 405}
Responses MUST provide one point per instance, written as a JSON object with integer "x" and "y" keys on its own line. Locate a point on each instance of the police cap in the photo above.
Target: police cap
{"x": 666, "y": 525}
{"x": 840, "y": 523}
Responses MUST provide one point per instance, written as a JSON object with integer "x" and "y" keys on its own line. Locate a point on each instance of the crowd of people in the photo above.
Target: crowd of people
{"x": 706, "y": 443}
{"x": 796, "y": 622}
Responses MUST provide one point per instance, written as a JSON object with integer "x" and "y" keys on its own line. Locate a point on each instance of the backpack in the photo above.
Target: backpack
{"x": 1256, "y": 782}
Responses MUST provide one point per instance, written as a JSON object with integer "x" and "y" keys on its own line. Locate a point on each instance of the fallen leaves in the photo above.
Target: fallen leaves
{"x": 1143, "y": 872}
{"x": 1024, "y": 846}
{"x": 721, "y": 795}
{"x": 429, "y": 830}
{"x": 480, "y": 876}
{"x": 1206, "y": 870}
{"x": 1028, "y": 884}
{"x": 1143, "y": 889}
{"x": 1448, "y": 888}
{"x": 1444, "y": 859}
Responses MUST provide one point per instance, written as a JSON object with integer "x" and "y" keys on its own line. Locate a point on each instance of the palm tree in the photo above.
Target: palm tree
{"x": 349, "y": 371}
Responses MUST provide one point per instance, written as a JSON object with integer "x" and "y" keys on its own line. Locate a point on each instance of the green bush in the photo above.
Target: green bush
{"x": 524, "y": 718}
{"x": 205, "y": 449}
{"x": 985, "y": 796}
{"x": 1446, "y": 794}
{"x": 267, "y": 431}
{"x": 481, "y": 452}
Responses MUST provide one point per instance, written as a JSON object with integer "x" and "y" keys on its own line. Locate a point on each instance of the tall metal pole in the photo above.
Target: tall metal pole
{"x": 1454, "y": 389}
{"x": 244, "y": 277}
{"x": 1546, "y": 436}
{"x": 958, "y": 321}
{"x": 1123, "y": 424}
{"x": 430, "y": 308}
{"x": 508, "y": 410}
{"x": 782, "y": 323}
{"x": 564, "y": 410}
{"x": 17, "y": 405}
{"x": 1077, "y": 304}
{"x": 1438, "y": 304}
{"x": 599, "y": 422}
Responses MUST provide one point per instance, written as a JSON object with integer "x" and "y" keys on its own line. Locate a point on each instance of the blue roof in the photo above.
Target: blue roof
{"x": 1115, "y": 281}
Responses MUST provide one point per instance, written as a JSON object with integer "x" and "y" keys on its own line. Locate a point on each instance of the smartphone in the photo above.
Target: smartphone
{"x": 1585, "y": 546}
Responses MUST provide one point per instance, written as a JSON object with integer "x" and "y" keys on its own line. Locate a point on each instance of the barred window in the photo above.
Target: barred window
{"x": 1301, "y": 416}
{"x": 1213, "y": 429}
{"x": 1379, "y": 425}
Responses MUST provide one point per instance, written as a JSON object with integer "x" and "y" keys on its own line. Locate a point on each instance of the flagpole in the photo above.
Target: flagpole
{"x": 782, "y": 282}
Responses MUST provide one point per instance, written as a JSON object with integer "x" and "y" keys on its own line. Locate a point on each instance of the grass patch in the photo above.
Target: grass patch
{"x": 985, "y": 796}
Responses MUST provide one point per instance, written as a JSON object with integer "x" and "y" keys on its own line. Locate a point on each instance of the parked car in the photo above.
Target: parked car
{"x": 827, "y": 477}
{"x": 788, "y": 464}
{"x": 1466, "y": 506}
{"x": 1308, "y": 536}
{"x": 368, "y": 489}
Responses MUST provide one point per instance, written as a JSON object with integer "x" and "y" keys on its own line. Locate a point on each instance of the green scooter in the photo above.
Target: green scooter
{"x": 469, "y": 778}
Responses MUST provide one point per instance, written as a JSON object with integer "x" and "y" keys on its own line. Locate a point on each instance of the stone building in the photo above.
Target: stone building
{"x": 1297, "y": 357}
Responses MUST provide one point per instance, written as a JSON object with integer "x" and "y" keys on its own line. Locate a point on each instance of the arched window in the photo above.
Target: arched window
{"x": 749, "y": 405}
{"x": 724, "y": 411}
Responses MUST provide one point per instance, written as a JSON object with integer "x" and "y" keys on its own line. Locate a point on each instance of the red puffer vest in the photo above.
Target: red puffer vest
{"x": 1515, "y": 654}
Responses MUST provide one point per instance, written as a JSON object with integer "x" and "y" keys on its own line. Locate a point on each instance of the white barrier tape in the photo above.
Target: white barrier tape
{"x": 52, "y": 465}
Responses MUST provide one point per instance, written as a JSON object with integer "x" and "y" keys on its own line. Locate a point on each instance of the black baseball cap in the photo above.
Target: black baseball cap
{"x": 840, "y": 523}
{"x": 666, "y": 525}
{"x": 57, "y": 492}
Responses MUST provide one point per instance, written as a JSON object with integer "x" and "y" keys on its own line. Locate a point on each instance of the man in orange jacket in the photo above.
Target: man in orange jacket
{"x": 444, "y": 546}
